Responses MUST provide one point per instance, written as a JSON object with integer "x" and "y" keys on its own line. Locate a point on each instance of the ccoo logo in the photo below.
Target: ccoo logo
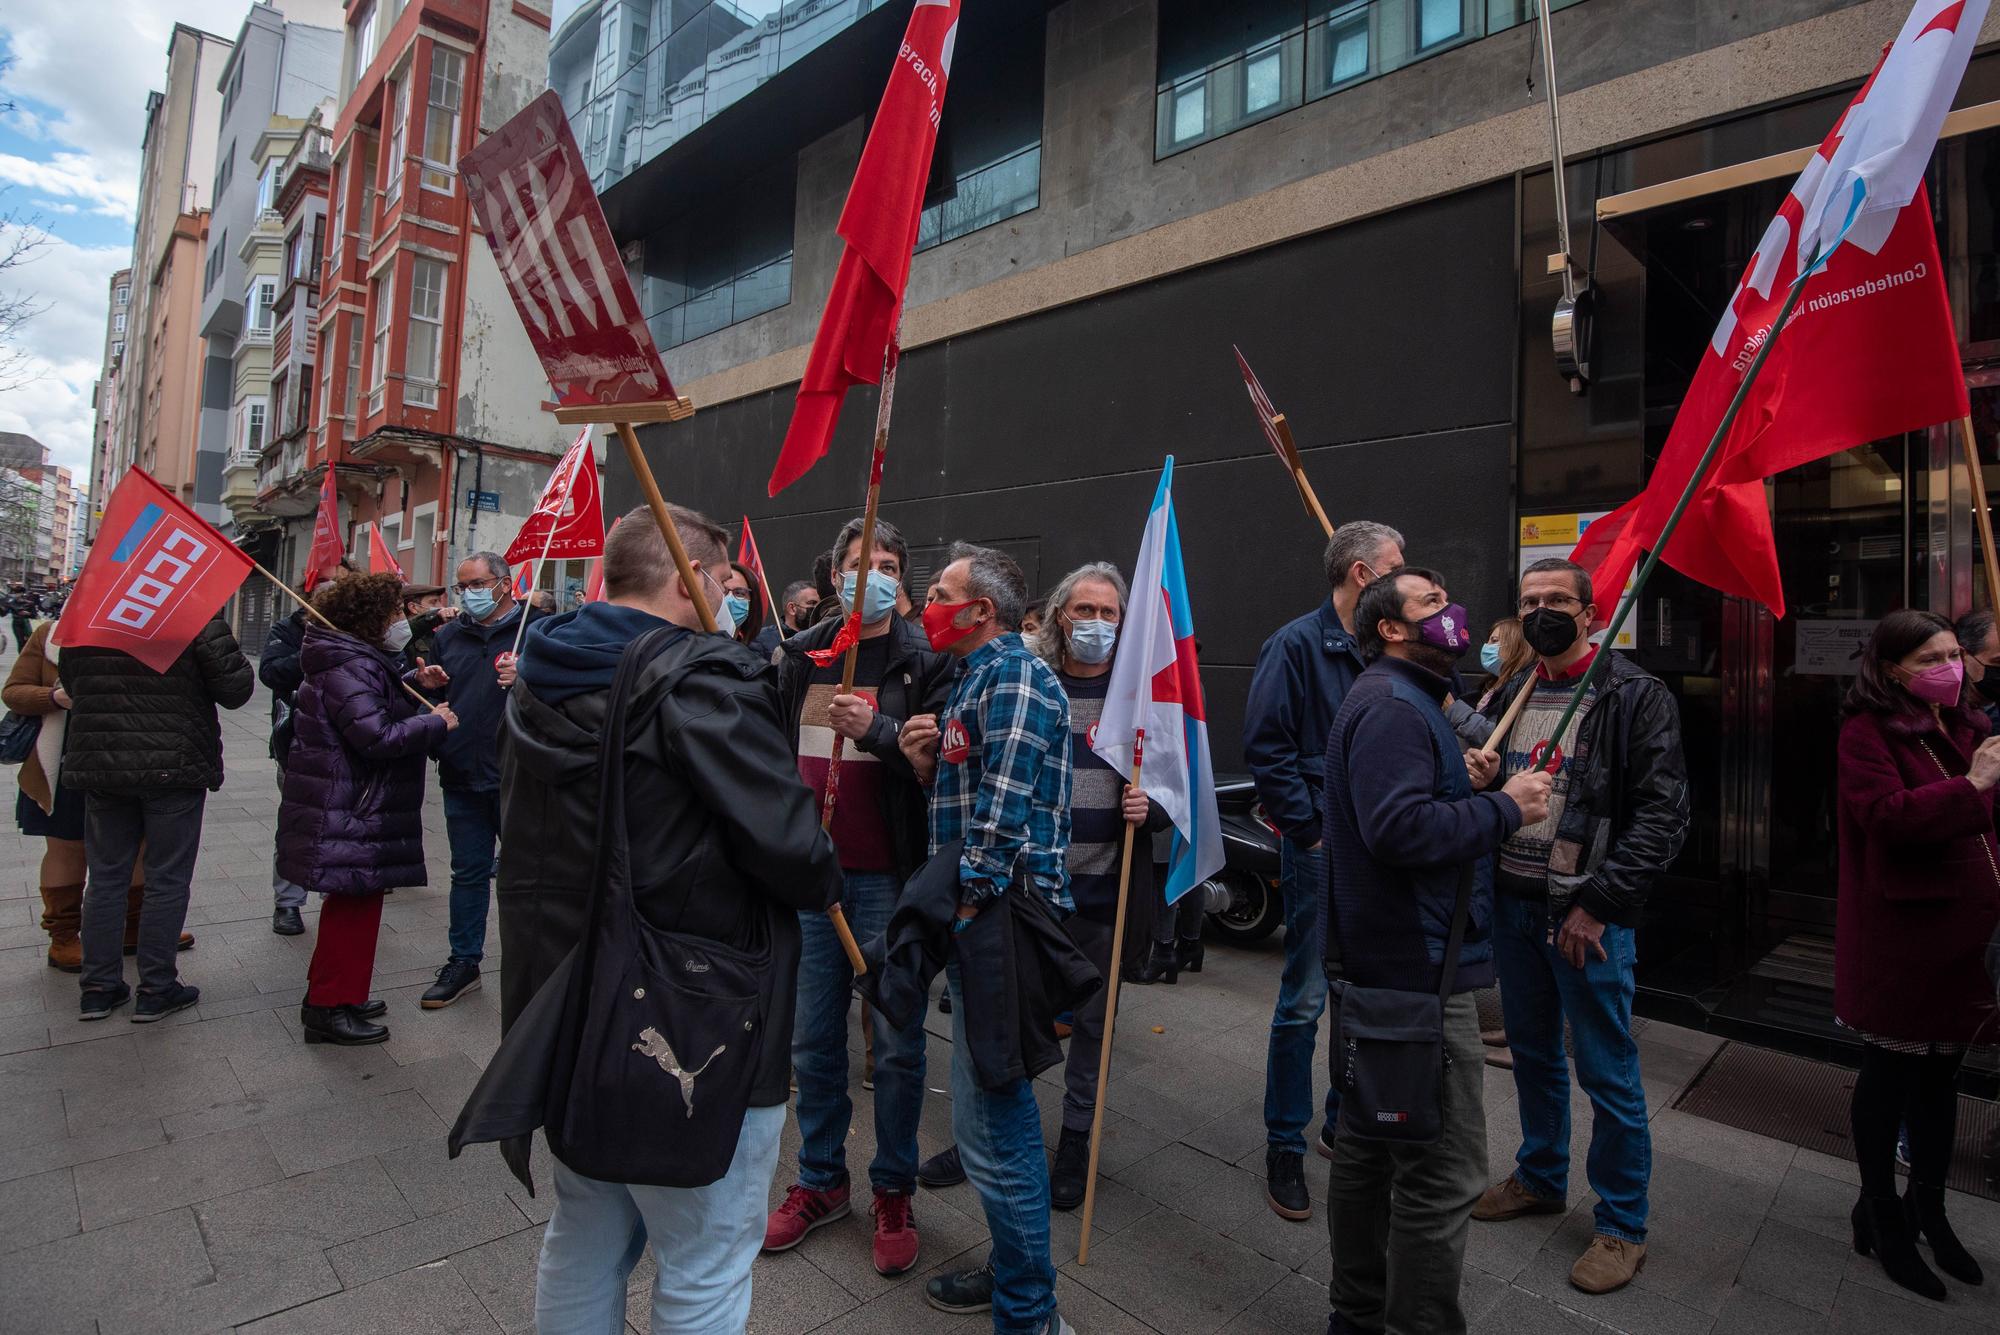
{"x": 158, "y": 561}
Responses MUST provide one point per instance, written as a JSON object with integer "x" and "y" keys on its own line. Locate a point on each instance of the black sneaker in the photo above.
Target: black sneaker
{"x": 455, "y": 979}
{"x": 99, "y": 1005}
{"x": 287, "y": 922}
{"x": 1071, "y": 1172}
{"x": 1325, "y": 1142}
{"x": 942, "y": 1170}
{"x": 963, "y": 1293}
{"x": 178, "y": 998}
{"x": 1285, "y": 1184}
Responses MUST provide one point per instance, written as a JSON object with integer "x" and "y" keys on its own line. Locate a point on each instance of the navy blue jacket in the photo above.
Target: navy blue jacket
{"x": 1401, "y": 823}
{"x": 469, "y": 760}
{"x": 1303, "y": 674}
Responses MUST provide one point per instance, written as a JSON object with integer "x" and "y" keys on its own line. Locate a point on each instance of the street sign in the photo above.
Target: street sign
{"x": 483, "y": 500}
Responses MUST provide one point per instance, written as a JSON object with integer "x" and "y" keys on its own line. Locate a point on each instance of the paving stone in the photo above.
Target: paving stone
{"x": 1175, "y": 1275}
{"x": 351, "y": 1129}
{"x": 1294, "y": 1303}
{"x": 1755, "y": 1312}
{"x": 110, "y": 1191}
{"x": 303, "y": 1214}
{"x": 501, "y": 1274}
{"x": 430, "y": 1300}
{"x": 161, "y": 1093}
{"x": 425, "y": 1240}
{"x": 37, "y": 1209}
{"x": 1800, "y": 1267}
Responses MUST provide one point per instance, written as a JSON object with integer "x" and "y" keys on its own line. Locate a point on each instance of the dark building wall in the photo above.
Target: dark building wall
{"x": 1390, "y": 345}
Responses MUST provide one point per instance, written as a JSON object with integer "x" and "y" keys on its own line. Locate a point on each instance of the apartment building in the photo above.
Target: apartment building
{"x": 104, "y": 395}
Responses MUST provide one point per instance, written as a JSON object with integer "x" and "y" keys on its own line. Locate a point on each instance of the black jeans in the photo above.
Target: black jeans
{"x": 1895, "y": 1090}
{"x": 169, "y": 822}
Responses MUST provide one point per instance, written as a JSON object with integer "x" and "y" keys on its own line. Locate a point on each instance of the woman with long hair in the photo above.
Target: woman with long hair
{"x": 351, "y": 825}
{"x": 1504, "y": 655}
{"x": 1919, "y": 899}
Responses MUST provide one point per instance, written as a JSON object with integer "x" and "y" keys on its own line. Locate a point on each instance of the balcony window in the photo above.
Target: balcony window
{"x": 262, "y": 295}
{"x": 363, "y": 50}
{"x": 441, "y": 118}
{"x": 353, "y": 367}
{"x": 399, "y": 115}
{"x": 253, "y": 426}
{"x": 267, "y": 188}
{"x": 423, "y": 355}
{"x": 383, "y": 309}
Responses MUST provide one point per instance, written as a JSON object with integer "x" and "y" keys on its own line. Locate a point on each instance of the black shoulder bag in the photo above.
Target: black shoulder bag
{"x": 1392, "y": 1050}
{"x": 663, "y": 1030}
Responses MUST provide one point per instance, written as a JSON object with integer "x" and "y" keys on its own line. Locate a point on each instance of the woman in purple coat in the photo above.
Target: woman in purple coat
{"x": 351, "y": 824}
{"x": 1919, "y": 899}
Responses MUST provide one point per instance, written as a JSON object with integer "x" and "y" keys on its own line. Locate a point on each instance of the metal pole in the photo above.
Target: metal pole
{"x": 1556, "y": 148}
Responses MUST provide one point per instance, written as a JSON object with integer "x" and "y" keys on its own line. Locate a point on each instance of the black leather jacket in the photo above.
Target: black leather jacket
{"x": 1628, "y": 810}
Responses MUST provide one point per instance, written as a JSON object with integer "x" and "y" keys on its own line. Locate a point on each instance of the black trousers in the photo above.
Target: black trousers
{"x": 1897, "y": 1090}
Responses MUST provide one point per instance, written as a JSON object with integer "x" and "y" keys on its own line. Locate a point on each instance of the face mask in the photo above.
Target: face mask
{"x": 725, "y": 620}
{"x": 1092, "y": 641}
{"x": 938, "y": 625}
{"x": 1489, "y": 657}
{"x": 881, "y": 599}
{"x": 738, "y": 605}
{"x": 397, "y": 637}
{"x": 478, "y": 603}
{"x": 1549, "y": 632}
{"x": 1989, "y": 685}
{"x": 1938, "y": 684}
{"x": 1445, "y": 629}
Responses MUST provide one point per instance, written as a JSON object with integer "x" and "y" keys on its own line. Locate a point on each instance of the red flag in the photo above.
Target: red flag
{"x": 381, "y": 561}
{"x": 879, "y": 225}
{"x": 746, "y": 552}
{"x": 155, "y": 576}
{"x": 326, "y": 553}
{"x": 569, "y": 518}
{"x": 593, "y": 592}
{"x": 1267, "y": 414}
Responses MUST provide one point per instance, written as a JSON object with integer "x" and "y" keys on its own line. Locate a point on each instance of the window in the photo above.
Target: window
{"x": 124, "y": 295}
{"x": 378, "y": 361}
{"x": 118, "y": 323}
{"x": 441, "y": 120}
{"x": 338, "y": 194}
{"x": 353, "y": 367}
{"x": 305, "y": 400}
{"x": 368, "y": 196}
{"x": 267, "y": 188}
{"x": 263, "y": 293}
{"x": 988, "y": 164}
{"x": 724, "y": 259}
{"x": 293, "y": 255}
{"x": 1190, "y": 112}
{"x": 1347, "y": 46}
{"x": 117, "y": 349}
{"x": 399, "y": 113}
{"x": 364, "y": 45}
{"x": 253, "y": 426}
{"x": 1439, "y": 21}
{"x": 1263, "y": 81}
{"x": 422, "y": 356}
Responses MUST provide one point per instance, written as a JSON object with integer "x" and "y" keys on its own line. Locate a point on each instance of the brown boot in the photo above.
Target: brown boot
{"x": 1511, "y": 1200}
{"x": 135, "y": 902}
{"x": 62, "y": 916}
{"x": 1608, "y": 1265}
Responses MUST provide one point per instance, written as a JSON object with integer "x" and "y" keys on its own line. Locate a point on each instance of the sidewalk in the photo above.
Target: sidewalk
{"x": 211, "y": 1173}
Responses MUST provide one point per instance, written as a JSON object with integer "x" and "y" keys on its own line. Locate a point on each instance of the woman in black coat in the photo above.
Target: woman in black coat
{"x": 351, "y": 824}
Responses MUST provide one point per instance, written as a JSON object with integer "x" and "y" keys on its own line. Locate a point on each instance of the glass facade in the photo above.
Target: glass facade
{"x": 1225, "y": 66}
{"x": 988, "y": 164}
{"x": 721, "y": 260}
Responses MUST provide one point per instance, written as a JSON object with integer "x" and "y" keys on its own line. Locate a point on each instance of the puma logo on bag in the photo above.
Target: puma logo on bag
{"x": 657, "y": 1048}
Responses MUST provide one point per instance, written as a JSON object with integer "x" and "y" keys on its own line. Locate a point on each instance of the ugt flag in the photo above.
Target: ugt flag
{"x": 567, "y": 523}
{"x": 879, "y": 225}
{"x": 154, "y": 578}
{"x": 1156, "y": 686}
{"x": 382, "y": 561}
{"x": 326, "y": 552}
{"x": 1870, "y": 350}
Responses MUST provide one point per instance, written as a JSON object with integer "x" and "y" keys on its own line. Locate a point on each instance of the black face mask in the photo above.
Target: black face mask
{"x": 1548, "y": 632}
{"x": 1989, "y": 685}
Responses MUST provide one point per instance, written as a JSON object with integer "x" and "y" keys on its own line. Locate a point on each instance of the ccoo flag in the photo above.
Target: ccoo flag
{"x": 879, "y": 225}
{"x": 155, "y": 576}
{"x": 567, "y": 523}
{"x": 1870, "y": 350}
{"x": 1156, "y": 686}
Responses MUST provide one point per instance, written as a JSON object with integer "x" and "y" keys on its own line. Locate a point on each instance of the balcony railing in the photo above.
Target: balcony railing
{"x": 256, "y": 337}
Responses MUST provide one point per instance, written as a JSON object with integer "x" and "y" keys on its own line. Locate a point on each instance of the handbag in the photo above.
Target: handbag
{"x": 17, "y": 736}
{"x": 663, "y": 1030}
{"x": 1392, "y": 1050}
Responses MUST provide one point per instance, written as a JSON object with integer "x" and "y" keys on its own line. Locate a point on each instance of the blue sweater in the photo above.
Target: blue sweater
{"x": 1401, "y": 823}
{"x": 1303, "y": 673}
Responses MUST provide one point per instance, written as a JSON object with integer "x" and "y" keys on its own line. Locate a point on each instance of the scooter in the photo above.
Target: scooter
{"x": 1242, "y": 900}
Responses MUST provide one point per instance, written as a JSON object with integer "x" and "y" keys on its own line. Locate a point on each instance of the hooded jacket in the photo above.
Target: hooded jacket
{"x": 352, "y": 818}
{"x": 722, "y": 832}
{"x": 132, "y": 729}
{"x": 470, "y": 760}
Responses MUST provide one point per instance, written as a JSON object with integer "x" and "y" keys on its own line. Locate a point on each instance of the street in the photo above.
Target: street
{"x": 213, "y": 1173}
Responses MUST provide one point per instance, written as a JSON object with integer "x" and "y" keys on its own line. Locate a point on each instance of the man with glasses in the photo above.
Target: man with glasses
{"x": 466, "y": 671}
{"x": 1979, "y": 637}
{"x": 1569, "y": 893}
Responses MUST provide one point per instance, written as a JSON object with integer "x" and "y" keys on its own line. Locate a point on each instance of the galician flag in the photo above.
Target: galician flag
{"x": 1156, "y": 686}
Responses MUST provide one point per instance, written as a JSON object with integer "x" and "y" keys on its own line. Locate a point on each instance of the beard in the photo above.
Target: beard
{"x": 1432, "y": 659}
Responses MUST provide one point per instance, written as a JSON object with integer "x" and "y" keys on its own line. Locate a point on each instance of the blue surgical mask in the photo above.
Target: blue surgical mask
{"x": 478, "y": 603}
{"x": 739, "y": 607}
{"x": 1092, "y": 641}
{"x": 881, "y": 600}
{"x": 1489, "y": 657}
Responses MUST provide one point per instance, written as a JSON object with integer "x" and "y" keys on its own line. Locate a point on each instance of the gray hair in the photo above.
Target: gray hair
{"x": 996, "y": 577}
{"x": 1051, "y": 642}
{"x": 1356, "y": 540}
{"x": 496, "y": 565}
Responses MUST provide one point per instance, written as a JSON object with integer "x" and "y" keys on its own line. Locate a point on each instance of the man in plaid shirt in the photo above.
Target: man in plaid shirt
{"x": 998, "y": 764}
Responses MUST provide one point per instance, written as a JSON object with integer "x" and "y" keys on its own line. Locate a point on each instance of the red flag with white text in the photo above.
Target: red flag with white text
{"x": 568, "y": 520}
{"x": 326, "y": 552}
{"x": 155, "y": 577}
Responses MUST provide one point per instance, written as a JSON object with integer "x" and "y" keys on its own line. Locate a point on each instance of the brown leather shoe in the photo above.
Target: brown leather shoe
{"x": 66, "y": 953}
{"x": 1510, "y": 1200}
{"x": 1608, "y": 1265}
{"x": 62, "y": 907}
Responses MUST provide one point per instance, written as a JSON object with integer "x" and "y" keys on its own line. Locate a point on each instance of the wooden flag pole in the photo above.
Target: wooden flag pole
{"x": 300, "y": 599}
{"x": 1976, "y": 475}
{"x": 1110, "y": 1011}
{"x": 1491, "y": 745}
{"x": 1298, "y": 468}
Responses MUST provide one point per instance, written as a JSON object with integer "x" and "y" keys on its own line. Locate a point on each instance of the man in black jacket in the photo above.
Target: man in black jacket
{"x": 725, "y": 845}
{"x": 879, "y": 830}
{"x": 23, "y": 606}
{"x": 1569, "y": 894}
{"x": 278, "y": 668}
{"x": 146, "y": 749}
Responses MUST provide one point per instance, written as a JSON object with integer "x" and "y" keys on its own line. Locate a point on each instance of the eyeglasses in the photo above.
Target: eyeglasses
{"x": 1560, "y": 602}
{"x": 475, "y": 584}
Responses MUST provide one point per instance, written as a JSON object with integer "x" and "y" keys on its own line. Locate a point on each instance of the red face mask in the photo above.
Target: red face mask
{"x": 938, "y": 618}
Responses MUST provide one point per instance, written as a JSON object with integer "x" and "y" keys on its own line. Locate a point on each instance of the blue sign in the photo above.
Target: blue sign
{"x": 483, "y": 500}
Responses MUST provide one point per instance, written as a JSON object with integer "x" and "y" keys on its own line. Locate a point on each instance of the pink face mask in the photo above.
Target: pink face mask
{"x": 1938, "y": 684}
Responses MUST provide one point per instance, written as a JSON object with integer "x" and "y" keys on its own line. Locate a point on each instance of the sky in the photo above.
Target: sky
{"x": 69, "y": 160}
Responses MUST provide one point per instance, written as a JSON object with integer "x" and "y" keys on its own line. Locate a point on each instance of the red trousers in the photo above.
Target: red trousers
{"x": 343, "y": 961}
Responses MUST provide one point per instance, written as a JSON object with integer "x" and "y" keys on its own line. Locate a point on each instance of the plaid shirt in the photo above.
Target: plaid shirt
{"x": 1003, "y": 774}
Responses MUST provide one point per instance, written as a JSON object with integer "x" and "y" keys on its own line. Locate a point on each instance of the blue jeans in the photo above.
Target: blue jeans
{"x": 819, "y": 1051}
{"x": 472, "y": 828}
{"x": 999, "y": 1139}
{"x": 1539, "y": 989}
{"x": 703, "y": 1240}
{"x": 1288, "y": 1069}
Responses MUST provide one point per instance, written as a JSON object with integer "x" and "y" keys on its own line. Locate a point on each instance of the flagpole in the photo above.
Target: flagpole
{"x": 762, "y": 582}
{"x": 1298, "y": 468}
{"x": 1722, "y": 428}
{"x": 300, "y": 599}
{"x": 1976, "y": 475}
{"x": 1500, "y": 730}
{"x": 1110, "y": 1011}
{"x": 555, "y": 522}
{"x": 658, "y": 505}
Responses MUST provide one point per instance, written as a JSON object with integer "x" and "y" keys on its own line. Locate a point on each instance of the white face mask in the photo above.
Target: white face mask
{"x": 397, "y": 637}
{"x": 725, "y": 620}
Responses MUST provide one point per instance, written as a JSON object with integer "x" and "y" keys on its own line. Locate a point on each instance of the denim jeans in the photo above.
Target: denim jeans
{"x": 819, "y": 1051}
{"x": 1288, "y": 1070}
{"x": 703, "y": 1240}
{"x": 284, "y": 894}
{"x": 472, "y": 828}
{"x": 169, "y": 821}
{"x": 999, "y": 1139}
{"x": 1539, "y": 989}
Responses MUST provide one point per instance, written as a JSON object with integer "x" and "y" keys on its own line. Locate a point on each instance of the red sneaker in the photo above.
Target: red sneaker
{"x": 803, "y": 1211}
{"x": 895, "y": 1234}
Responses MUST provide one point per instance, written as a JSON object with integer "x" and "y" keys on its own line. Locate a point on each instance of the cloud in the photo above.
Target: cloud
{"x": 64, "y": 344}
{"x": 74, "y": 176}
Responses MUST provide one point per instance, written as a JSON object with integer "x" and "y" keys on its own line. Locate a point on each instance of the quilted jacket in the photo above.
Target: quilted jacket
{"x": 132, "y": 729}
